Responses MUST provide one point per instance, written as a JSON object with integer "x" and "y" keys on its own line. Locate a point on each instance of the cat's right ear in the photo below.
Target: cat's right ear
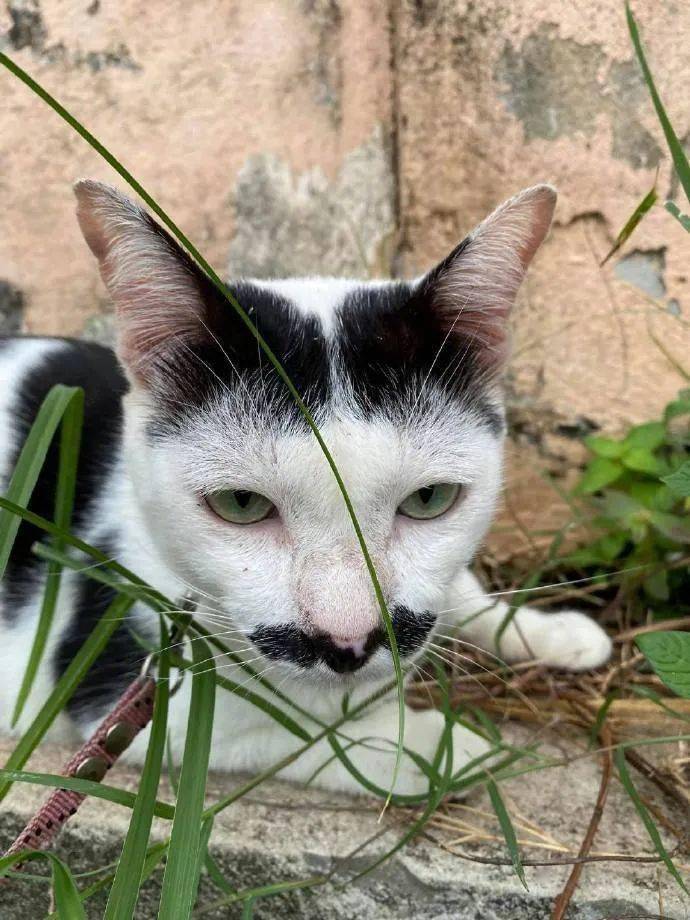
{"x": 157, "y": 290}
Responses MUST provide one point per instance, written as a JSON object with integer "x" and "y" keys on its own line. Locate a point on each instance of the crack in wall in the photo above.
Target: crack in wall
{"x": 11, "y": 308}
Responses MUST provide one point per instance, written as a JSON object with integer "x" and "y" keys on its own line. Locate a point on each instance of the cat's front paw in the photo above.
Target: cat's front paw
{"x": 573, "y": 641}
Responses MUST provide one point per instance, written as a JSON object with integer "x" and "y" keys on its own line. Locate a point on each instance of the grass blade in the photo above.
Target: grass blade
{"x": 680, "y": 161}
{"x": 30, "y": 462}
{"x": 647, "y": 820}
{"x": 70, "y": 440}
{"x": 632, "y": 222}
{"x": 683, "y": 219}
{"x": 128, "y": 877}
{"x": 67, "y": 900}
{"x": 65, "y": 687}
{"x": 213, "y": 277}
{"x": 87, "y": 787}
{"x": 180, "y": 880}
{"x": 508, "y": 830}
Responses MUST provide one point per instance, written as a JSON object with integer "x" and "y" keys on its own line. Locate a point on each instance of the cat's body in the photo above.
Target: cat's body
{"x": 199, "y": 431}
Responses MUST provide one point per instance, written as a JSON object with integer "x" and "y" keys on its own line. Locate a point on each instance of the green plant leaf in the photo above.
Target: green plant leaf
{"x": 647, "y": 820}
{"x": 85, "y": 786}
{"x": 65, "y": 892}
{"x": 656, "y": 586}
{"x": 604, "y": 447}
{"x": 679, "y": 481}
{"x": 643, "y": 461}
{"x": 508, "y": 830}
{"x": 648, "y": 436}
{"x": 181, "y": 878}
{"x": 683, "y": 219}
{"x": 642, "y": 208}
{"x": 680, "y": 161}
{"x": 30, "y": 462}
{"x": 66, "y": 685}
{"x": 70, "y": 440}
{"x": 676, "y": 408}
{"x": 669, "y": 654}
{"x": 128, "y": 877}
{"x": 671, "y": 526}
{"x": 601, "y": 472}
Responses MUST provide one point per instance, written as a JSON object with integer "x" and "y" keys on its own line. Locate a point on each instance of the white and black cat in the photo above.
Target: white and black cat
{"x": 198, "y": 472}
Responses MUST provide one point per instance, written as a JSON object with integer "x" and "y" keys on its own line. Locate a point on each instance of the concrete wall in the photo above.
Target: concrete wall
{"x": 289, "y": 136}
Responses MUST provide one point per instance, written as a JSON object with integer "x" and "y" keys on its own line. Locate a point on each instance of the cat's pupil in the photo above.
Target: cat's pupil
{"x": 242, "y": 497}
{"x": 426, "y": 493}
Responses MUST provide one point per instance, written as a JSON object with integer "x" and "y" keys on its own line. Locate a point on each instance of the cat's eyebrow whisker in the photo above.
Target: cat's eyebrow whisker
{"x": 241, "y": 379}
{"x": 180, "y": 341}
{"x": 433, "y": 364}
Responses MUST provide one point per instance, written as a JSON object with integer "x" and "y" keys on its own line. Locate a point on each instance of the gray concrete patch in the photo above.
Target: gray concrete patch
{"x": 644, "y": 269}
{"x": 552, "y": 86}
{"x": 303, "y": 224}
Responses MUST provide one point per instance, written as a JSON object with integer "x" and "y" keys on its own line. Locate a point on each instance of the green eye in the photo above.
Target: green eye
{"x": 239, "y": 506}
{"x": 430, "y": 501}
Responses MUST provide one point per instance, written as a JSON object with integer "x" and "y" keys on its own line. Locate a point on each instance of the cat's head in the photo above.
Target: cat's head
{"x": 403, "y": 381}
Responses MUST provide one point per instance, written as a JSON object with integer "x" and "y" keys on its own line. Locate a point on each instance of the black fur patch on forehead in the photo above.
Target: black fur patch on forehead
{"x": 229, "y": 358}
{"x": 393, "y": 346}
{"x": 386, "y": 344}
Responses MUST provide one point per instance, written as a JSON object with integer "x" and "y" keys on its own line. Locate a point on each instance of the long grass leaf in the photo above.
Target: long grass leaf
{"x": 67, "y": 900}
{"x": 70, "y": 440}
{"x": 632, "y": 222}
{"x": 128, "y": 877}
{"x": 180, "y": 879}
{"x": 66, "y": 685}
{"x": 100, "y": 148}
{"x": 680, "y": 161}
{"x": 647, "y": 819}
{"x": 31, "y": 459}
{"x": 86, "y": 787}
{"x": 507, "y": 830}
{"x": 683, "y": 219}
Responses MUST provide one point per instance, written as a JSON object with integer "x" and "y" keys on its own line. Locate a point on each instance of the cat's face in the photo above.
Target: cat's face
{"x": 402, "y": 380}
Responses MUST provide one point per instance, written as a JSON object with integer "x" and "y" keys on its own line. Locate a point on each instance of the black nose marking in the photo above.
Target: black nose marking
{"x": 289, "y": 643}
{"x": 346, "y": 660}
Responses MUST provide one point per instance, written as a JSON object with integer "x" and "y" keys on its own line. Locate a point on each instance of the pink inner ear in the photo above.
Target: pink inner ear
{"x": 476, "y": 291}
{"x": 156, "y": 297}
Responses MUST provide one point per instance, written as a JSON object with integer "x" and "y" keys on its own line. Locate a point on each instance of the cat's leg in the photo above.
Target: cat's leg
{"x": 566, "y": 639}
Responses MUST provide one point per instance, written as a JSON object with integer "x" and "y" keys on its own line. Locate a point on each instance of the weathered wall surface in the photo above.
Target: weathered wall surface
{"x": 493, "y": 96}
{"x": 236, "y": 115}
{"x": 292, "y": 136}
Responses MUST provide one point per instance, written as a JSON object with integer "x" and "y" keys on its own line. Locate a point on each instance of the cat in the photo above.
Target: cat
{"x": 199, "y": 472}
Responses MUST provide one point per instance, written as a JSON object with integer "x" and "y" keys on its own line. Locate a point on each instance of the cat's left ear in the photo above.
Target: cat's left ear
{"x": 473, "y": 290}
{"x": 161, "y": 297}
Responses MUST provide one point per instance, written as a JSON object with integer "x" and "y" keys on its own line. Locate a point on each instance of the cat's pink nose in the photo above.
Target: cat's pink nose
{"x": 355, "y": 644}
{"x": 347, "y": 653}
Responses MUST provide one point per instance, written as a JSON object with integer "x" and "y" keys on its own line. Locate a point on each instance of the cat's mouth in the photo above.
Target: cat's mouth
{"x": 287, "y": 642}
